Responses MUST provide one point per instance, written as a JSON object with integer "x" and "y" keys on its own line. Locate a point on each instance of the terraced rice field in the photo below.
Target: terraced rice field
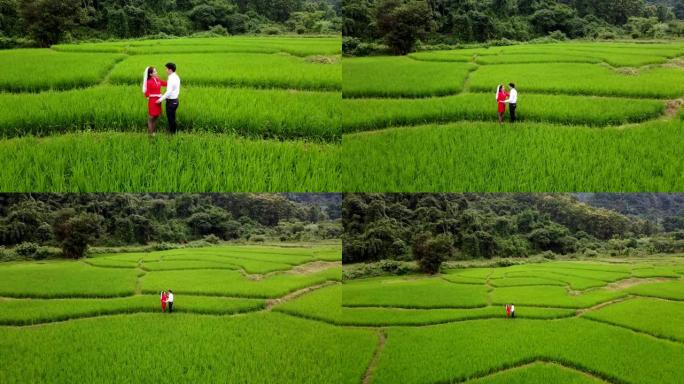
{"x": 256, "y": 113}
{"x": 592, "y": 116}
{"x": 228, "y": 326}
{"x": 603, "y": 321}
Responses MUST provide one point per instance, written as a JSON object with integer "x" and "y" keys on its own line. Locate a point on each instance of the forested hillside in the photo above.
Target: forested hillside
{"x": 31, "y": 220}
{"x": 398, "y": 23}
{"x": 47, "y": 22}
{"x": 387, "y": 226}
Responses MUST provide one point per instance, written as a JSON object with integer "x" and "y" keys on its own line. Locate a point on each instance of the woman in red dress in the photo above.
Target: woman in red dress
{"x": 163, "y": 298}
{"x": 501, "y": 96}
{"x": 152, "y": 89}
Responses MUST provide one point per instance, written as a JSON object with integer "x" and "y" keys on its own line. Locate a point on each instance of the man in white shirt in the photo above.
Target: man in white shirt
{"x": 512, "y": 311}
{"x": 169, "y": 301}
{"x": 171, "y": 95}
{"x": 512, "y": 101}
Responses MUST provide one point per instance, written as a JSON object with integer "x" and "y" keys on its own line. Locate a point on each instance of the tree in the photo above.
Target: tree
{"x": 75, "y": 231}
{"x": 430, "y": 252}
{"x": 401, "y": 22}
{"x": 49, "y": 20}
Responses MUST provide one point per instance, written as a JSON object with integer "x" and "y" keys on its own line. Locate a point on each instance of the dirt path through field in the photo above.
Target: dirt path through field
{"x": 368, "y": 376}
{"x": 626, "y": 283}
{"x": 582, "y": 311}
{"x": 270, "y": 303}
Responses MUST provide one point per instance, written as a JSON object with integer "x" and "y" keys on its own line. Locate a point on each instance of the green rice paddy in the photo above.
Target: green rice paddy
{"x": 591, "y": 117}
{"x": 560, "y": 333}
{"x": 55, "y": 309}
{"x": 263, "y": 112}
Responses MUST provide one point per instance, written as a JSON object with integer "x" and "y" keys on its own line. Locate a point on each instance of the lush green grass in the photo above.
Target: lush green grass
{"x": 65, "y": 279}
{"x": 656, "y": 317}
{"x": 655, "y": 272}
{"x": 219, "y": 282}
{"x": 259, "y": 348}
{"x": 458, "y": 55}
{"x": 673, "y": 290}
{"x": 463, "y": 350}
{"x": 325, "y": 305}
{"x": 538, "y": 373}
{"x": 412, "y": 293}
{"x": 75, "y": 163}
{"x": 34, "y": 311}
{"x": 574, "y": 282}
{"x": 535, "y": 58}
{"x": 297, "y": 46}
{"x": 40, "y": 69}
{"x": 248, "y": 112}
{"x": 369, "y": 114}
{"x": 581, "y": 79}
{"x": 401, "y": 76}
{"x": 171, "y": 265}
{"x": 551, "y": 296}
{"x": 237, "y": 69}
{"x": 522, "y": 281}
{"x": 111, "y": 262}
{"x": 481, "y": 157}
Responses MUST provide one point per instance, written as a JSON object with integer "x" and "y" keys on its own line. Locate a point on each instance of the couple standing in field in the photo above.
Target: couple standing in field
{"x": 167, "y": 300}
{"x": 151, "y": 88}
{"x": 503, "y": 98}
{"x": 510, "y": 311}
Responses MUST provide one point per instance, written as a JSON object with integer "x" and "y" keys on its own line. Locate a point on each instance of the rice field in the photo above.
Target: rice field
{"x": 560, "y": 333}
{"x": 262, "y": 111}
{"x": 591, "y": 117}
{"x": 109, "y": 303}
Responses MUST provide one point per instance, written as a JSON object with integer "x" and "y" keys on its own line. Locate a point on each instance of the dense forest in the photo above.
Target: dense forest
{"x": 401, "y": 23}
{"x": 471, "y": 226}
{"x": 667, "y": 209}
{"x": 30, "y": 223}
{"x": 48, "y": 22}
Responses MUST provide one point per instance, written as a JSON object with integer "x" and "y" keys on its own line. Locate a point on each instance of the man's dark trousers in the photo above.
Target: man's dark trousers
{"x": 171, "y": 107}
{"x": 512, "y": 108}
{"x": 170, "y": 303}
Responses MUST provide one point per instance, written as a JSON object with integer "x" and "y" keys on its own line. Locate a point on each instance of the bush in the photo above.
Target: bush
{"x": 211, "y": 239}
{"x": 257, "y": 238}
{"x": 549, "y": 255}
{"x": 26, "y": 249}
{"x": 218, "y": 30}
{"x": 271, "y": 30}
{"x": 590, "y": 253}
{"x": 430, "y": 252}
{"x": 558, "y": 35}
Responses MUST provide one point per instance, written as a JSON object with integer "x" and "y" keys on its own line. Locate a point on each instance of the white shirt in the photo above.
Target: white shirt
{"x": 512, "y": 308}
{"x": 513, "y": 97}
{"x": 170, "y": 298}
{"x": 172, "y": 88}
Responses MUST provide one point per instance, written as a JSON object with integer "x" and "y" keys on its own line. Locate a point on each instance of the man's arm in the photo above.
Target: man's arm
{"x": 172, "y": 85}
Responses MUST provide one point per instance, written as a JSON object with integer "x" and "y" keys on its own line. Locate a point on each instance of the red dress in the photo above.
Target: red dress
{"x": 154, "y": 88}
{"x": 163, "y": 302}
{"x": 500, "y": 98}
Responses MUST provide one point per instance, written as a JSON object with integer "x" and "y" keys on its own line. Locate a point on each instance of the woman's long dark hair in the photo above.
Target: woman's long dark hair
{"x": 498, "y": 90}
{"x": 150, "y": 71}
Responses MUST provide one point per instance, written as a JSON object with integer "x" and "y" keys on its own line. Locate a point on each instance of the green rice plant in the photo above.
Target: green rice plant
{"x": 236, "y": 69}
{"x": 462, "y": 279}
{"x": 41, "y": 69}
{"x": 219, "y": 262}
{"x": 65, "y": 279}
{"x": 171, "y": 265}
{"x": 325, "y": 304}
{"x": 672, "y": 290}
{"x": 588, "y": 274}
{"x": 219, "y": 282}
{"x": 574, "y": 282}
{"x": 538, "y": 373}
{"x": 479, "y": 157}
{"x": 371, "y": 114}
{"x": 110, "y": 262}
{"x": 262, "y": 348}
{"x": 134, "y": 163}
{"x": 36, "y": 311}
{"x": 465, "y": 350}
{"x": 588, "y": 266}
{"x": 581, "y": 79}
{"x": 401, "y": 77}
{"x": 523, "y": 281}
{"x": 457, "y": 55}
{"x": 254, "y": 113}
{"x": 477, "y": 273}
{"x": 535, "y": 58}
{"x": 243, "y": 44}
{"x": 655, "y": 272}
{"x": 334, "y": 254}
{"x": 412, "y": 292}
{"x": 551, "y": 296}
{"x": 659, "y": 318}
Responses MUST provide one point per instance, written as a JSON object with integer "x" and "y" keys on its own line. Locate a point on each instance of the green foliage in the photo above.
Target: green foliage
{"x": 431, "y": 251}
{"x": 402, "y": 22}
{"x": 48, "y": 20}
{"x": 75, "y": 231}
{"x": 45, "y": 165}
